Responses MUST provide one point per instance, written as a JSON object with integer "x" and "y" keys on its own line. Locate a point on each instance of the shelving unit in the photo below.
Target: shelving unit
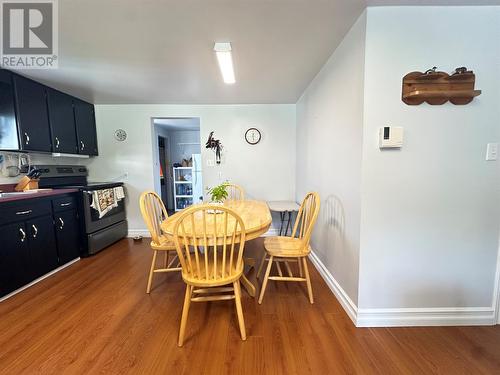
{"x": 437, "y": 88}
{"x": 183, "y": 187}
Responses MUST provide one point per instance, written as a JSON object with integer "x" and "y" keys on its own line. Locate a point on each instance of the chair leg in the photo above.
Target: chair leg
{"x": 239, "y": 310}
{"x": 185, "y": 311}
{"x": 261, "y": 266}
{"x": 151, "y": 272}
{"x": 308, "y": 280}
{"x": 299, "y": 262}
{"x": 266, "y": 278}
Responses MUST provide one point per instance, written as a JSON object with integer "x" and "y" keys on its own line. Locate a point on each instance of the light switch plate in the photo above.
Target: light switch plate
{"x": 210, "y": 162}
{"x": 492, "y": 151}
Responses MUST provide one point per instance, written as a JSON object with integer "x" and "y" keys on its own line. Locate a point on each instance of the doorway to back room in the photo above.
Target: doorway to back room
{"x": 178, "y": 164}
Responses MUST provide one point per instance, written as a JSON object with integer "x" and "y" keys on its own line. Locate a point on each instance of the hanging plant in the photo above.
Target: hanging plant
{"x": 215, "y": 145}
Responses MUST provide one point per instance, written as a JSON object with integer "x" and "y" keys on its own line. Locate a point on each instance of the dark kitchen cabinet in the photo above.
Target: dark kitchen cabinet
{"x": 37, "y": 236}
{"x": 42, "y": 245}
{"x": 8, "y": 127}
{"x": 67, "y": 227}
{"x": 62, "y": 122}
{"x": 14, "y": 258}
{"x": 32, "y": 115}
{"x": 85, "y": 127}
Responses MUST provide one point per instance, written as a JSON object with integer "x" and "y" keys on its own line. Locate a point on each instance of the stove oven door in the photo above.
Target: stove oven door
{"x": 92, "y": 221}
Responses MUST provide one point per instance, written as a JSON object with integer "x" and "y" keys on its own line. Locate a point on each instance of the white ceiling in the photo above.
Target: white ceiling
{"x": 160, "y": 51}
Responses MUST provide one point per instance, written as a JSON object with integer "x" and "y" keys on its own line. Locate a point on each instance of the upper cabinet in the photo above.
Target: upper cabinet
{"x": 62, "y": 122}
{"x": 8, "y": 126}
{"x": 85, "y": 127}
{"x": 32, "y": 116}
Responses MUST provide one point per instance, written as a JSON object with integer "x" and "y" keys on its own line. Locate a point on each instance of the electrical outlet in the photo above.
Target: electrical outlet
{"x": 210, "y": 163}
{"x": 492, "y": 151}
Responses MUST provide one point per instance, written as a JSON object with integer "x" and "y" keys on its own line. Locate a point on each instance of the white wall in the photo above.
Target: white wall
{"x": 267, "y": 170}
{"x": 180, "y": 151}
{"x": 329, "y": 146}
{"x": 430, "y": 212}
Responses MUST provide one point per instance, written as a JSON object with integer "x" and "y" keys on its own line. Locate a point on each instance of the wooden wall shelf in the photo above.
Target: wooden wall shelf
{"x": 437, "y": 88}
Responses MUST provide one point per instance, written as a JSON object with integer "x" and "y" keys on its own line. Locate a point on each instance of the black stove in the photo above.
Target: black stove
{"x": 97, "y": 230}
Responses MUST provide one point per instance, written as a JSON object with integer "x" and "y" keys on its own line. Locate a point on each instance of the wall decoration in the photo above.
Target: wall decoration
{"x": 120, "y": 135}
{"x": 215, "y": 145}
{"x": 253, "y": 136}
{"x": 436, "y": 87}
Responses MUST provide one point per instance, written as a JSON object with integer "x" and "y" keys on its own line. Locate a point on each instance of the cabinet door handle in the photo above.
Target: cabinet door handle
{"x": 35, "y": 230}
{"x": 24, "y": 212}
{"x": 62, "y": 223}
{"x": 82, "y": 145}
{"x": 65, "y": 204}
{"x": 27, "y": 138}
{"x": 23, "y": 234}
{"x": 57, "y": 142}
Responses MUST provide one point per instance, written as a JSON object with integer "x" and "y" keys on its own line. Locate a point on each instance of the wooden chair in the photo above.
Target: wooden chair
{"x": 235, "y": 192}
{"x": 292, "y": 249}
{"x": 154, "y": 212}
{"x": 210, "y": 248}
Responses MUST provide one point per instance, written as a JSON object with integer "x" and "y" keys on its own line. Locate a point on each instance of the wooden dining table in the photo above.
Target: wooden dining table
{"x": 256, "y": 218}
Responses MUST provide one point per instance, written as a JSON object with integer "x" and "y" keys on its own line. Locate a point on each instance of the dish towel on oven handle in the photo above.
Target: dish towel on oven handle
{"x": 105, "y": 200}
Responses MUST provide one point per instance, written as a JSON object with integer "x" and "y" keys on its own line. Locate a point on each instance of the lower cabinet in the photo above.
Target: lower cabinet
{"x": 68, "y": 240}
{"x": 42, "y": 246}
{"x": 14, "y": 258}
{"x": 36, "y": 244}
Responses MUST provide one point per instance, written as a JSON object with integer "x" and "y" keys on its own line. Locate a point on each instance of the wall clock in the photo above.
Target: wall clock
{"x": 120, "y": 135}
{"x": 253, "y": 136}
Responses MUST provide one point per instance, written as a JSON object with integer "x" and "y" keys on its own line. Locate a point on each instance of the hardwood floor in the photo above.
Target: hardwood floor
{"x": 95, "y": 318}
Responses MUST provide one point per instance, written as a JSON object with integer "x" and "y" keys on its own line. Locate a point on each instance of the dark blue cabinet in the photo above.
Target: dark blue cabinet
{"x": 32, "y": 115}
{"x": 14, "y": 258}
{"x": 85, "y": 127}
{"x": 35, "y": 117}
{"x": 62, "y": 122}
{"x": 37, "y": 236}
{"x": 8, "y": 126}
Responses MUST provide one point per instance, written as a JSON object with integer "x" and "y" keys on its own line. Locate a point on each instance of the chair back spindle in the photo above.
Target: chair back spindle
{"x": 235, "y": 192}
{"x": 209, "y": 245}
{"x": 306, "y": 217}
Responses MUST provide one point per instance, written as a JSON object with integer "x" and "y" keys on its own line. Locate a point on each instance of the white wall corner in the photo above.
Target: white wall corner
{"x": 349, "y": 306}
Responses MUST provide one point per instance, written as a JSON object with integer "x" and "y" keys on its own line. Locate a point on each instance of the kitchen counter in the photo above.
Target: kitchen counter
{"x": 39, "y": 194}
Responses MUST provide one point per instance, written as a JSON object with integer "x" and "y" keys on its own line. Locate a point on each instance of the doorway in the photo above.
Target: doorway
{"x": 178, "y": 170}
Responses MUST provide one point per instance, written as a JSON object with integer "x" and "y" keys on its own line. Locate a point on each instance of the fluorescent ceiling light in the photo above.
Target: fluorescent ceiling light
{"x": 225, "y": 59}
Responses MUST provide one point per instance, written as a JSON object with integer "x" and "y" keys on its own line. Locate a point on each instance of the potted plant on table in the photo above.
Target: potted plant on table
{"x": 218, "y": 194}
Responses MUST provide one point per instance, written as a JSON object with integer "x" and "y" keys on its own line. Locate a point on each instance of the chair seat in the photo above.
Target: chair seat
{"x": 195, "y": 281}
{"x": 166, "y": 243}
{"x": 286, "y": 247}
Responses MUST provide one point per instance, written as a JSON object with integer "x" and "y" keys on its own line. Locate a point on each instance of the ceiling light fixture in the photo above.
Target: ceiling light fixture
{"x": 225, "y": 59}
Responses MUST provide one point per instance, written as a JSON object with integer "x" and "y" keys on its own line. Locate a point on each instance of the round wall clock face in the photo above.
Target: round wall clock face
{"x": 120, "y": 135}
{"x": 253, "y": 136}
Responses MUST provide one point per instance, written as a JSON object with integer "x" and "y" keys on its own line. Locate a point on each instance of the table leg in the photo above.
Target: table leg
{"x": 282, "y": 217}
{"x": 249, "y": 287}
{"x": 288, "y": 222}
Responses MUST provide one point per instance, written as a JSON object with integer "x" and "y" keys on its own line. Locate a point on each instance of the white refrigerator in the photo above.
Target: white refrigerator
{"x": 197, "y": 179}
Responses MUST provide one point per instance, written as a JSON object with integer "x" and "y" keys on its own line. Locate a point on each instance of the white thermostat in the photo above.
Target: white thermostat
{"x": 390, "y": 137}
